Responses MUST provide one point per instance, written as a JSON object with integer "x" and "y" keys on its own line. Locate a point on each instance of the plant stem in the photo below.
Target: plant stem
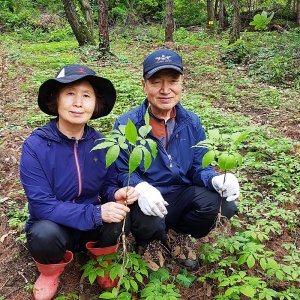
{"x": 218, "y": 222}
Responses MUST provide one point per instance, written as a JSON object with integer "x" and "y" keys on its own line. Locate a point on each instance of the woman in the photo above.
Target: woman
{"x": 72, "y": 197}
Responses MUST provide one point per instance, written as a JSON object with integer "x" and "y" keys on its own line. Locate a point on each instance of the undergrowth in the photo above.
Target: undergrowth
{"x": 244, "y": 262}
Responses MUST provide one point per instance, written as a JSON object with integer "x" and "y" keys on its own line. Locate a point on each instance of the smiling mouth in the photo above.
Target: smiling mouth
{"x": 76, "y": 113}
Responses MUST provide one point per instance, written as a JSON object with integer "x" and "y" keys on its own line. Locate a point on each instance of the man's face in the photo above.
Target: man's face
{"x": 163, "y": 91}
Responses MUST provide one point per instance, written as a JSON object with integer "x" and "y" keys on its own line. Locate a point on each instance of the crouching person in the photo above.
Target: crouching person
{"x": 72, "y": 198}
{"x": 176, "y": 191}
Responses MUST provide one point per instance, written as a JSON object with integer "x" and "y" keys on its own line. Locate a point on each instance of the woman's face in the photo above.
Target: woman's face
{"x": 76, "y": 103}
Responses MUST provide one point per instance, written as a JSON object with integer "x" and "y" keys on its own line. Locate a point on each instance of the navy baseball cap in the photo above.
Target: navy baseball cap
{"x": 72, "y": 73}
{"x": 162, "y": 59}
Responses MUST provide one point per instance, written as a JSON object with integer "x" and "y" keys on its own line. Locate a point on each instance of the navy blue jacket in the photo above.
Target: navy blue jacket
{"x": 177, "y": 166}
{"x": 64, "y": 181}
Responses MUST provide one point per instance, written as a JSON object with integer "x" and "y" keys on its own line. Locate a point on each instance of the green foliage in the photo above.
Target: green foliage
{"x": 235, "y": 53}
{"x": 156, "y": 290}
{"x": 223, "y": 149}
{"x": 190, "y": 12}
{"x": 132, "y": 141}
{"x": 261, "y": 21}
{"x": 185, "y": 279}
{"x": 69, "y": 296}
{"x": 17, "y": 216}
{"x": 133, "y": 274}
{"x": 270, "y": 171}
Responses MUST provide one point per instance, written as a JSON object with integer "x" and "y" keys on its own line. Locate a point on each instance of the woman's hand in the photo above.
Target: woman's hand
{"x": 112, "y": 212}
{"x": 126, "y": 194}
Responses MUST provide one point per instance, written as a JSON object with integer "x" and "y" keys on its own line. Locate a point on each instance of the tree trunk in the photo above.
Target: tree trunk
{"x": 169, "y": 22}
{"x": 222, "y": 16}
{"x": 236, "y": 22}
{"x": 80, "y": 30}
{"x": 103, "y": 26}
{"x": 298, "y": 13}
{"x": 210, "y": 14}
{"x": 216, "y": 8}
{"x": 88, "y": 14}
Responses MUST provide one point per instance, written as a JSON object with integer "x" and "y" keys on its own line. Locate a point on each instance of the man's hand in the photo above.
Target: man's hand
{"x": 112, "y": 212}
{"x": 129, "y": 195}
{"x": 229, "y": 189}
{"x": 150, "y": 200}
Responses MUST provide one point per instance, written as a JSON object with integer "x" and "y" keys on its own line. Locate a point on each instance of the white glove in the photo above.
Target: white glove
{"x": 230, "y": 189}
{"x": 150, "y": 200}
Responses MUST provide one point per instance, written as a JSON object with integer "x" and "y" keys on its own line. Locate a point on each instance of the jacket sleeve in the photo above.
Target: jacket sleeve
{"x": 42, "y": 201}
{"x": 110, "y": 186}
{"x": 122, "y": 164}
{"x": 201, "y": 176}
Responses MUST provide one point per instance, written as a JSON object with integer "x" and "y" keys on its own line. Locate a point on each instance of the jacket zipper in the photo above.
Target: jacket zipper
{"x": 78, "y": 169}
{"x": 164, "y": 149}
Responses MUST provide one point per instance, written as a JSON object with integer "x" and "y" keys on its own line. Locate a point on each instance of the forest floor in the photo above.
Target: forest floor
{"x": 16, "y": 265}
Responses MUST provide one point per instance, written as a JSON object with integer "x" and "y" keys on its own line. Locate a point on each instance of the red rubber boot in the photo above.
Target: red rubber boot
{"x": 105, "y": 282}
{"x": 46, "y": 285}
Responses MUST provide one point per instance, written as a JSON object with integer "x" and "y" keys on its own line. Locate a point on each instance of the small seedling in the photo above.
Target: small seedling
{"x": 140, "y": 149}
{"x": 223, "y": 152}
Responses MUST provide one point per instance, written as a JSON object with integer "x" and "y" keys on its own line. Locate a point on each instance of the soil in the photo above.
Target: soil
{"x": 17, "y": 267}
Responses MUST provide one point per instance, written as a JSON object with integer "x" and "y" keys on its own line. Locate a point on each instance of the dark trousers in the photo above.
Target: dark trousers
{"x": 48, "y": 241}
{"x": 193, "y": 210}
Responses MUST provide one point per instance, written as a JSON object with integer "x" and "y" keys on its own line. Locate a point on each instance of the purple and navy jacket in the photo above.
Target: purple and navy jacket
{"x": 64, "y": 181}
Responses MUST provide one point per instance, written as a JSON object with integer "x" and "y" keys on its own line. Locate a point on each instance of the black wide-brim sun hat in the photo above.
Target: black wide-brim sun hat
{"x": 71, "y": 74}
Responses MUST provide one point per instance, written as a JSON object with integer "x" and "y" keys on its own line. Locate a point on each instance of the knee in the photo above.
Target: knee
{"x": 229, "y": 209}
{"x": 46, "y": 239}
{"x": 43, "y": 232}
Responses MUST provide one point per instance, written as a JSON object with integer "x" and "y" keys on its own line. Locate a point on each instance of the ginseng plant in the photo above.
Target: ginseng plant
{"x": 223, "y": 152}
{"x": 140, "y": 149}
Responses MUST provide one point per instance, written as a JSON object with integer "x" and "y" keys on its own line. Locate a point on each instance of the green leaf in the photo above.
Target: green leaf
{"x": 272, "y": 263}
{"x": 153, "y": 147}
{"x": 241, "y": 137}
{"x": 242, "y": 259}
{"x": 121, "y": 128}
{"x": 238, "y": 158}
{"x": 184, "y": 280}
{"x": 139, "y": 277}
{"x": 103, "y": 145}
{"x": 147, "y": 158}
{"x": 208, "y": 158}
{"x": 226, "y": 162}
{"x": 147, "y": 118}
{"x": 247, "y": 291}
{"x": 107, "y": 295}
{"x": 112, "y": 154}
{"x": 279, "y": 275}
{"x": 123, "y": 146}
{"x": 135, "y": 159}
{"x": 263, "y": 263}
{"x": 214, "y": 134}
{"x": 92, "y": 277}
{"x": 222, "y": 161}
{"x": 250, "y": 261}
{"x": 134, "y": 285}
{"x": 144, "y": 130}
{"x": 130, "y": 132}
{"x": 126, "y": 283}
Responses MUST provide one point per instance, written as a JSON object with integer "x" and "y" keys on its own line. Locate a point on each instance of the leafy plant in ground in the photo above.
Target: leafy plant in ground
{"x": 222, "y": 151}
{"x": 157, "y": 288}
{"x": 140, "y": 149}
{"x": 261, "y": 21}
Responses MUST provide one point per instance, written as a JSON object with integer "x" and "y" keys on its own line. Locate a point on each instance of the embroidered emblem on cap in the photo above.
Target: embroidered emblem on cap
{"x": 61, "y": 73}
{"x": 163, "y": 58}
{"x": 81, "y": 70}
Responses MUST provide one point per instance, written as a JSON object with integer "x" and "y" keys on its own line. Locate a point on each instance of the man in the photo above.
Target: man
{"x": 176, "y": 188}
